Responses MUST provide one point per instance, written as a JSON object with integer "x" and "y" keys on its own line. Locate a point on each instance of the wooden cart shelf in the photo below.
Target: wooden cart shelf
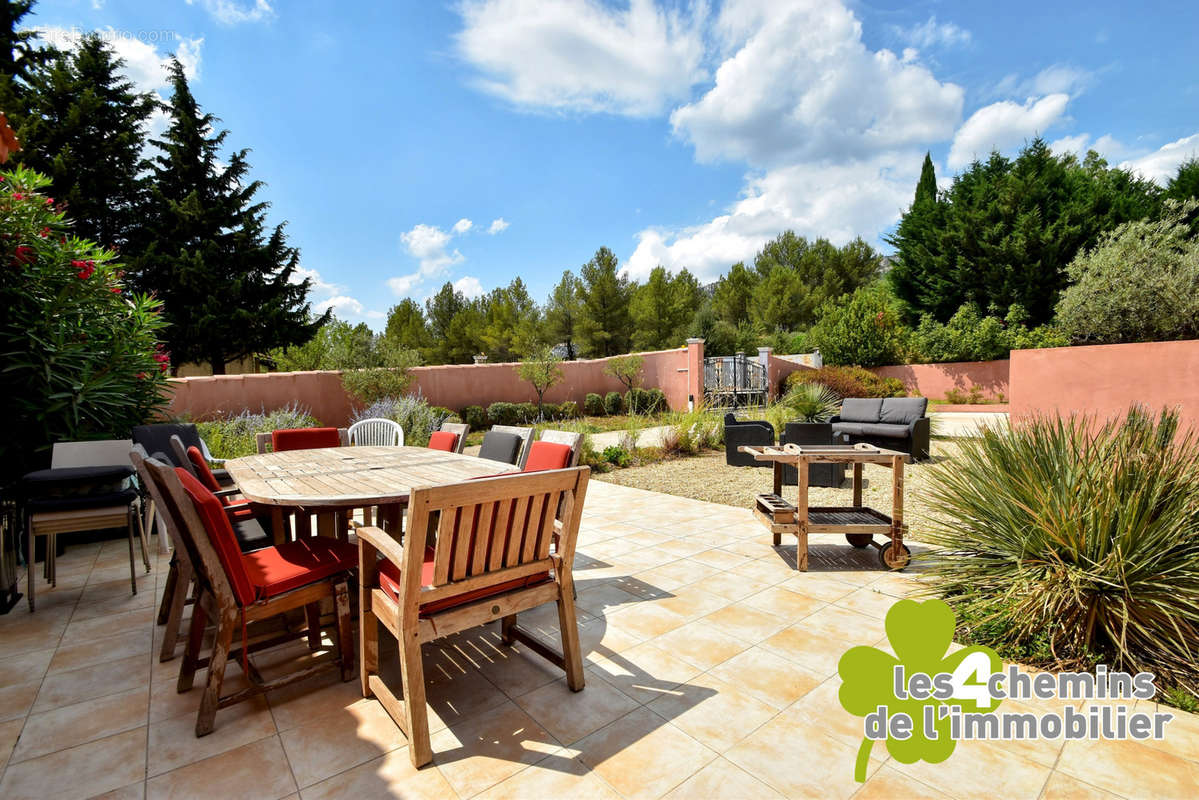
{"x": 859, "y": 523}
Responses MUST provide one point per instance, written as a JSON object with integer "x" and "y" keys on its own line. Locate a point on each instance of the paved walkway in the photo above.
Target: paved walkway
{"x": 710, "y": 668}
{"x": 957, "y": 424}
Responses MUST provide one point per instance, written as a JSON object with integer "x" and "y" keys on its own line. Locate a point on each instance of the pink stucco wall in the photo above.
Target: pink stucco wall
{"x": 453, "y": 386}
{"x": 1104, "y": 380}
{"x": 934, "y": 380}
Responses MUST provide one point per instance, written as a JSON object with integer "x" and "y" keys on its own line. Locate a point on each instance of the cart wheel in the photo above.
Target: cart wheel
{"x": 892, "y": 560}
{"x": 859, "y": 540}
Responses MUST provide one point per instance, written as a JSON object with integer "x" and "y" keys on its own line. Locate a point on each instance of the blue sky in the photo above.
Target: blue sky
{"x": 411, "y": 142}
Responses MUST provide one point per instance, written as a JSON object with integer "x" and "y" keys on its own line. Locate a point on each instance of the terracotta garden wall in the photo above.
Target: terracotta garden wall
{"x": 934, "y": 380}
{"x": 453, "y": 386}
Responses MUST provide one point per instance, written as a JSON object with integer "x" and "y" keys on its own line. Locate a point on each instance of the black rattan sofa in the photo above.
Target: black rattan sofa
{"x": 896, "y": 423}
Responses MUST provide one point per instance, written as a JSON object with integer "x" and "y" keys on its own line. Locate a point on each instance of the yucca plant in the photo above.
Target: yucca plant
{"x": 1078, "y": 539}
{"x": 811, "y": 402}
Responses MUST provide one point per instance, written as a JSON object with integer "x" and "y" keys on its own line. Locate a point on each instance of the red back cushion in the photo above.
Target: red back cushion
{"x": 220, "y": 534}
{"x": 304, "y": 439}
{"x": 443, "y": 440}
{"x": 547, "y": 455}
{"x": 202, "y": 471}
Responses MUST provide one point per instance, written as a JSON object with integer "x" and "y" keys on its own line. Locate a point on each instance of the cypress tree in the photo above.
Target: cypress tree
{"x": 226, "y": 281}
{"x": 20, "y": 58}
{"x": 86, "y": 131}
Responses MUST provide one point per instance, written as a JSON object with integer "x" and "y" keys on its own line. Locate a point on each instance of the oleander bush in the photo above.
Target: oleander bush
{"x": 81, "y": 355}
{"x": 1075, "y": 542}
{"x": 234, "y": 436}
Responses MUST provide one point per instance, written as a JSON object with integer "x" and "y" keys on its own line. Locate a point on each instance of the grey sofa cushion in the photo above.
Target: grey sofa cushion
{"x": 860, "y": 409}
{"x": 852, "y": 428}
{"x": 501, "y": 446}
{"x": 885, "y": 429}
{"x": 903, "y": 410}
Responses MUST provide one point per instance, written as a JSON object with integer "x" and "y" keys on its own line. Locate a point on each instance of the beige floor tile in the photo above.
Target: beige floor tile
{"x": 978, "y": 769}
{"x": 789, "y": 605}
{"x": 768, "y": 677}
{"x": 605, "y": 598}
{"x": 455, "y": 690}
{"x": 868, "y": 601}
{"x": 598, "y": 639}
{"x": 1182, "y": 732}
{"x": 734, "y": 587}
{"x": 818, "y": 586}
{"x": 77, "y": 685}
{"x": 701, "y": 645}
{"x": 744, "y": 622}
{"x": 108, "y": 625}
{"x": 822, "y": 707}
{"x": 384, "y": 778}
{"x": 641, "y": 755}
{"x": 825, "y": 769}
{"x": 1130, "y": 768}
{"x": 257, "y": 770}
{"x": 80, "y": 772}
{"x": 817, "y": 650}
{"x": 1062, "y": 787}
{"x": 111, "y": 648}
{"x": 569, "y": 716}
{"x": 716, "y": 713}
{"x": 720, "y": 559}
{"x": 677, "y": 574}
{"x": 120, "y": 604}
{"x": 16, "y": 700}
{"x": 173, "y": 742}
{"x": 485, "y": 749}
{"x": 24, "y": 668}
{"x": 9, "y": 731}
{"x": 645, "y": 620}
{"x": 357, "y": 734}
{"x": 39, "y": 634}
{"x": 722, "y": 779}
{"x": 307, "y": 701}
{"x": 552, "y": 779}
{"x": 134, "y": 791}
{"x": 693, "y": 601}
{"x": 645, "y": 672}
{"x": 81, "y": 723}
{"x": 889, "y": 784}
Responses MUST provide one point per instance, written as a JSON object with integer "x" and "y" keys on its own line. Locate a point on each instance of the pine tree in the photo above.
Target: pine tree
{"x": 662, "y": 307}
{"x": 227, "y": 283}
{"x": 605, "y": 327}
{"x": 733, "y": 296}
{"x": 1185, "y": 183}
{"x": 406, "y": 327}
{"x": 85, "y": 130}
{"x": 562, "y": 314}
{"x": 511, "y": 323}
{"x": 455, "y": 327}
{"x": 21, "y": 56}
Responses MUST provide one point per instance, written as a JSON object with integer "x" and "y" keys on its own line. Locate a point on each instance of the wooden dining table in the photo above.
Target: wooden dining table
{"x": 332, "y": 482}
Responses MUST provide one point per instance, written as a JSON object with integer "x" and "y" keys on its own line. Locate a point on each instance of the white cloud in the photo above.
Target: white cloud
{"x": 324, "y": 294}
{"x": 800, "y": 85}
{"x": 145, "y": 64}
{"x": 1071, "y": 144}
{"x": 1162, "y": 164}
{"x": 231, "y": 12}
{"x": 342, "y": 305}
{"x": 430, "y": 246}
{"x": 497, "y": 226}
{"x": 462, "y": 226}
{"x": 1055, "y": 79}
{"x": 580, "y": 55}
{"x": 836, "y": 201}
{"x": 1003, "y": 125}
{"x": 469, "y": 286}
{"x": 934, "y": 34}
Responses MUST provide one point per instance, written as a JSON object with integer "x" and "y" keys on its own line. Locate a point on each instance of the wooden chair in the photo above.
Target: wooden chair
{"x": 460, "y": 430}
{"x": 236, "y": 590}
{"x": 52, "y": 509}
{"x": 491, "y": 560}
{"x": 526, "y": 440}
{"x": 569, "y": 438}
{"x": 301, "y": 439}
{"x": 376, "y": 432}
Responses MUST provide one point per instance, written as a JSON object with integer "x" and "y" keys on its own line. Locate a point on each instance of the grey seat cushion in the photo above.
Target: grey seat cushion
{"x": 884, "y": 429}
{"x": 501, "y": 446}
{"x": 861, "y": 409}
{"x": 903, "y": 410}
{"x": 852, "y": 428}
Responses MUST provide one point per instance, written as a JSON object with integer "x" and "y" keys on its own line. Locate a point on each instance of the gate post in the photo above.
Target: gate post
{"x": 695, "y": 372}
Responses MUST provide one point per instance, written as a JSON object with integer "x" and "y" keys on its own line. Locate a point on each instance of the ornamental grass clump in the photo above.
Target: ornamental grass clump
{"x": 1076, "y": 542}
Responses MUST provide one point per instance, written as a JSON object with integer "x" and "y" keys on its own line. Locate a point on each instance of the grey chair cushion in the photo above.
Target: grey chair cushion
{"x": 852, "y": 428}
{"x": 501, "y": 446}
{"x": 903, "y": 410}
{"x": 84, "y": 501}
{"x": 157, "y": 439}
{"x": 861, "y": 409}
{"x": 884, "y": 429}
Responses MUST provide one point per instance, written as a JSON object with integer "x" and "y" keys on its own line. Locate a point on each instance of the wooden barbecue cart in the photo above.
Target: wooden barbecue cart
{"x": 859, "y": 523}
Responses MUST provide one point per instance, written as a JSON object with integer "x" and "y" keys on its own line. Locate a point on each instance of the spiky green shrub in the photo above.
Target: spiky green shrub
{"x": 1076, "y": 542}
{"x": 811, "y": 402}
{"x": 234, "y": 435}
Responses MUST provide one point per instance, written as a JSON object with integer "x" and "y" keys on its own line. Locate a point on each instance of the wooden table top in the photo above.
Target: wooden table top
{"x": 352, "y": 476}
{"x": 825, "y": 453}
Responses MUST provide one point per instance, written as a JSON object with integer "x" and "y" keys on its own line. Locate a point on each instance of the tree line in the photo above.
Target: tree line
{"x": 181, "y": 210}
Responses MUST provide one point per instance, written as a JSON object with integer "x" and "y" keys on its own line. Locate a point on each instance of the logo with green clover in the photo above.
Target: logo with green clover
{"x": 906, "y": 698}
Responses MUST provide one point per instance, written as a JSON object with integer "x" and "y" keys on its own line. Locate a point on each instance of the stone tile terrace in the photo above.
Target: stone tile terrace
{"x": 711, "y": 673}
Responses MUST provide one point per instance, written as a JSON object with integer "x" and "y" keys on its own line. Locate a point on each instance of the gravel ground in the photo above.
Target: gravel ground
{"x": 706, "y": 477}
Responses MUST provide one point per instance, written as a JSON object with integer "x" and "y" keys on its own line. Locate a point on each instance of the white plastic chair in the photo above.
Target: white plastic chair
{"x": 376, "y": 432}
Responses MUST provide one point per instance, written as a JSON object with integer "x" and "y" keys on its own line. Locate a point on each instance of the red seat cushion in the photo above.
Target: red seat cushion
{"x": 443, "y": 440}
{"x": 220, "y": 533}
{"x": 391, "y": 582}
{"x": 279, "y": 569}
{"x": 547, "y": 455}
{"x": 304, "y": 439}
